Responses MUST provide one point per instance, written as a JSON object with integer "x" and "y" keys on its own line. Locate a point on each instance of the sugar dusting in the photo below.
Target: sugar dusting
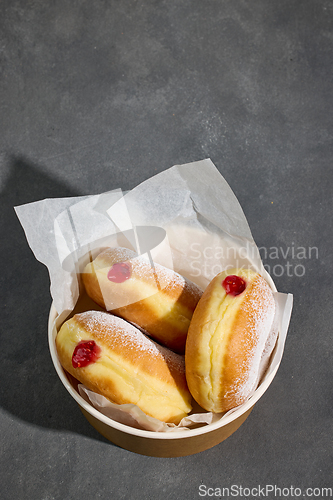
{"x": 165, "y": 278}
{"x": 254, "y": 345}
{"x": 109, "y": 326}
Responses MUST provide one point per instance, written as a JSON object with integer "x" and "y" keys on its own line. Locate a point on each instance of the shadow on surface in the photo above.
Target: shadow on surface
{"x": 30, "y": 387}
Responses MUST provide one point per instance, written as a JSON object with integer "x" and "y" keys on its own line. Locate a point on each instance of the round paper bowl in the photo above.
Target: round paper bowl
{"x": 161, "y": 444}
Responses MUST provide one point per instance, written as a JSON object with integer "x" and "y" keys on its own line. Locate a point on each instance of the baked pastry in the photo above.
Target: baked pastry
{"x": 226, "y": 339}
{"x": 113, "y": 358}
{"x": 155, "y": 298}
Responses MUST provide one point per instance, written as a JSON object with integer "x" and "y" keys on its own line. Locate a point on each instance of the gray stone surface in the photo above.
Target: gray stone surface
{"x": 100, "y": 95}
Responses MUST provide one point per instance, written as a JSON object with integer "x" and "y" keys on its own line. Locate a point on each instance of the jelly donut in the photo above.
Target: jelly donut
{"x": 227, "y": 338}
{"x": 154, "y": 298}
{"x": 113, "y": 358}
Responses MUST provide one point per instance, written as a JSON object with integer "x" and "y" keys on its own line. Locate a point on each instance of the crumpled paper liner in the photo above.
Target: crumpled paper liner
{"x": 205, "y": 232}
{"x": 132, "y": 415}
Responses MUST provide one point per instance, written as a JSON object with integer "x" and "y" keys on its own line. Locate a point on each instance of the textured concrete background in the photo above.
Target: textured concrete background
{"x": 104, "y": 94}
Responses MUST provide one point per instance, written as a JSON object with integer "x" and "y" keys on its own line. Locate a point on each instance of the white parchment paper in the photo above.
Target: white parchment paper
{"x": 204, "y": 231}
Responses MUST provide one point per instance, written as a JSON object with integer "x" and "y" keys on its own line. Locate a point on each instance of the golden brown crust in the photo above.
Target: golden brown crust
{"x": 226, "y": 339}
{"x": 131, "y": 368}
{"x": 156, "y": 299}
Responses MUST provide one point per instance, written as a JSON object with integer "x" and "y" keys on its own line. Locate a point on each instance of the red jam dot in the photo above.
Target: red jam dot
{"x": 85, "y": 353}
{"x": 119, "y": 272}
{"x": 234, "y": 285}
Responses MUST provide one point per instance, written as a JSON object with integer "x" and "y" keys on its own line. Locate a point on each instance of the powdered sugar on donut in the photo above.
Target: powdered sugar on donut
{"x": 254, "y": 343}
{"x": 109, "y": 326}
{"x": 143, "y": 268}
